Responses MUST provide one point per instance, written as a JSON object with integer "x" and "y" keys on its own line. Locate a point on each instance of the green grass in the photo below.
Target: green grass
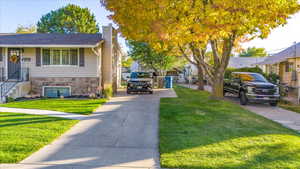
{"x": 197, "y": 132}
{"x": 290, "y": 106}
{"x": 79, "y": 106}
{"x": 21, "y": 134}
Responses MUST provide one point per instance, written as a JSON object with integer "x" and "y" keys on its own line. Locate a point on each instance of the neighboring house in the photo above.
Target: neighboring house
{"x": 234, "y": 62}
{"x": 54, "y": 64}
{"x": 136, "y": 67}
{"x": 286, "y": 64}
{"x": 241, "y": 62}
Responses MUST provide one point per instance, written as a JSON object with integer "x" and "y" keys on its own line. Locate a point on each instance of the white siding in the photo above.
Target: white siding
{"x": 3, "y": 62}
{"x": 90, "y": 68}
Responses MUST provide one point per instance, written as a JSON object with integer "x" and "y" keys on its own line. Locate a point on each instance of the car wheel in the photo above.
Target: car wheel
{"x": 243, "y": 98}
{"x": 128, "y": 92}
{"x": 273, "y": 104}
{"x": 151, "y": 92}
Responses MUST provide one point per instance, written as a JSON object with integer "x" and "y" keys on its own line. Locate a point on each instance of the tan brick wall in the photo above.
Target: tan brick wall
{"x": 79, "y": 85}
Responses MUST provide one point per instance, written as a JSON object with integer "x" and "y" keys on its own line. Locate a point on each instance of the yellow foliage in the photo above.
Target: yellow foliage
{"x": 185, "y": 21}
{"x": 196, "y": 23}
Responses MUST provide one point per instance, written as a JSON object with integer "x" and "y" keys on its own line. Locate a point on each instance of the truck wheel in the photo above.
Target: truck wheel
{"x": 243, "y": 98}
{"x": 273, "y": 104}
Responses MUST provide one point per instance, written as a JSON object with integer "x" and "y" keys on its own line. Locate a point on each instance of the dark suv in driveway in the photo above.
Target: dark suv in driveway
{"x": 252, "y": 87}
{"x": 140, "y": 82}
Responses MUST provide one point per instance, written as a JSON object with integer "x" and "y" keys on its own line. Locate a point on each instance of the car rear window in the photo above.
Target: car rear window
{"x": 252, "y": 78}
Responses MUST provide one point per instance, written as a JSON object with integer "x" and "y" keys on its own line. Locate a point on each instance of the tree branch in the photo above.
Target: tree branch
{"x": 214, "y": 47}
{"x": 187, "y": 57}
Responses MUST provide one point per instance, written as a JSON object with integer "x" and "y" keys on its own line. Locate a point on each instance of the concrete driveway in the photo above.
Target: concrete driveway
{"x": 121, "y": 134}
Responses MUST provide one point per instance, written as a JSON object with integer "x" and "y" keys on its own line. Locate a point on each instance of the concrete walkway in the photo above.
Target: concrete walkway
{"x": 44, "y": 112}
{"x": 286, "y": 118}
{"x": 123, "y": 133}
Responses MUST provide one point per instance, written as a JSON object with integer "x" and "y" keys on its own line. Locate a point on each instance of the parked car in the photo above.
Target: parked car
{"x": 252, "y": 87}
{"x": 140, "y": 82}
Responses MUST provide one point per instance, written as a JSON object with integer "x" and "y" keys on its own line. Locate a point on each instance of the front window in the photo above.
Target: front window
{"x": 60, "y": 57}
{"x": 289, "y": 66}
{"x": 252, "y": 78}
{"x": 57, "y": 91}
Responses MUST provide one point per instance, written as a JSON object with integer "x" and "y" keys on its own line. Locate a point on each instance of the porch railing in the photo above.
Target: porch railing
{"x": 2, "y": 75}
{"x": 8, "y": 84}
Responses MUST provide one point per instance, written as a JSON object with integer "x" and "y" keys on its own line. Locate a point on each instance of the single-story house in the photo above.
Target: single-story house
{"x": 53, "y": 64}
{"x": 241, "y": 62}
{"x": 286, "y": 64}
{"x": 234, "y": 62}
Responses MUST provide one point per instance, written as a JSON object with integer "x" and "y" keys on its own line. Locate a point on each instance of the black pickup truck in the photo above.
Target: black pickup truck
{"x": 140, "y": 82}
{"x": 252, "y": 87}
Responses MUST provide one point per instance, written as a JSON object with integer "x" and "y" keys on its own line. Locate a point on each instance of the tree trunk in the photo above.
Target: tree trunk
{"x": 217, "y": 88}
{"x": 200, "y": 78}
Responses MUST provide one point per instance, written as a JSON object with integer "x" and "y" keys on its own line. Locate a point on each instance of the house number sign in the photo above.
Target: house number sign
{"x": 26, "y": 59}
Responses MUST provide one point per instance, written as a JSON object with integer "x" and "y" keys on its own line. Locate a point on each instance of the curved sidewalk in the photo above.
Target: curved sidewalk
{"x": 121, "y": 134}
{"x": 44, "y": 112}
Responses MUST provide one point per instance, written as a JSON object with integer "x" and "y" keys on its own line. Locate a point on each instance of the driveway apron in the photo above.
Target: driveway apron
{"x": 123, "y": 133}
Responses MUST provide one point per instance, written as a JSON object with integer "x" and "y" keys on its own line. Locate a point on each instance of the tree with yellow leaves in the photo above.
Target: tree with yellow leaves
{"x": 193, "y": 26}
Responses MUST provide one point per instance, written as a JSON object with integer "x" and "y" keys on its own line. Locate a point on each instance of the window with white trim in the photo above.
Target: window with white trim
{"x": 57, "y": 91}
{"x": 60, "y": 57}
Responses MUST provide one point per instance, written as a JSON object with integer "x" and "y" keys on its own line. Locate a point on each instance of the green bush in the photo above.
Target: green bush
{"x": 273, "y": 78}
{"x": 10, "y": 99}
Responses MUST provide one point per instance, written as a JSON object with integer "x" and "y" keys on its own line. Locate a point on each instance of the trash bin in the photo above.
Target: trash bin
{"x": 168, "y": 82}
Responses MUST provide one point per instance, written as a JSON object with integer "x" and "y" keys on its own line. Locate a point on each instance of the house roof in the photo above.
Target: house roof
{"x": 50, "y": 39}
{"x": 240, "y": 62}
{"x": 290, "y": 52}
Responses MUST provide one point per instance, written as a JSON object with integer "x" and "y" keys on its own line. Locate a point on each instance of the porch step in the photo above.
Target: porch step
{"x": 8, "y": 88}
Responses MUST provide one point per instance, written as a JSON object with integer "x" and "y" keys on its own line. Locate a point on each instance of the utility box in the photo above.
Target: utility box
{"x": 168, "y": 82}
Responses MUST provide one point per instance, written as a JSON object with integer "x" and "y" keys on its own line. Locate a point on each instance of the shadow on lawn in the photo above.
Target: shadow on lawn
{"x": 196, "y": 132}
{"x": 24, "y": 121}
{"x": 264, "y": 159}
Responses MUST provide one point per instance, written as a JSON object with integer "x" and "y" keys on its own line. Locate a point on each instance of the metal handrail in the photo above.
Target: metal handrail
{"x": 8, "y": 88}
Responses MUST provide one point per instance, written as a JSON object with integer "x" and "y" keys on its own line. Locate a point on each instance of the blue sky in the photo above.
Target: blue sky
{"x": 26, "y": 12}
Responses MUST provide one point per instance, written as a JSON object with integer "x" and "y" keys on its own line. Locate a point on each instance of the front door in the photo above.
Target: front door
{"x": 14, "y": 63}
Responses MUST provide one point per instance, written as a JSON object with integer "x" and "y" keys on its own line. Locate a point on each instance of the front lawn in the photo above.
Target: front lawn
{"x": 22, "y": 134}
{"x": 79, "y": 106}
{"x": 197, "y": 132}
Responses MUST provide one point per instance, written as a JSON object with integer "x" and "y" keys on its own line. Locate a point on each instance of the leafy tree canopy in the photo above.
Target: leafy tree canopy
{"x": 254, "y": 52}
{"x": 127, "y": 62}
{"x": 160, "y": 62}
{"x": 68, "y": 19}
{"x": 26, "y": 29}
{"x": 190, "y": 26}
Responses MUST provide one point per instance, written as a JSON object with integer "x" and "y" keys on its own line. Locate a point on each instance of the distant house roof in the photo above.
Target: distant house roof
{"x": 240, "y": 62}
{"x": 50, "y": 39}
{"x": 290, "y": 52}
